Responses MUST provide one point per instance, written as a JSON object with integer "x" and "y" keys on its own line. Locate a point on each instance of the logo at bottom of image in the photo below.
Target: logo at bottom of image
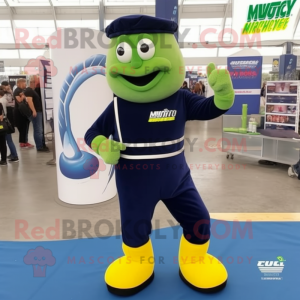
{"x": 272, "y": 270}
{"x": 39, "y": 258}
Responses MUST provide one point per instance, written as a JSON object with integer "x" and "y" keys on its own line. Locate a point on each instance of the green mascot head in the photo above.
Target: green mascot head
{"x": 144, "y": 63}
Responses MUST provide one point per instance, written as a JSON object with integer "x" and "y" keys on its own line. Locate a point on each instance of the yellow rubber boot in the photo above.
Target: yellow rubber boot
{"x": 200, "y": 270}
{"x": 131, "y": 273}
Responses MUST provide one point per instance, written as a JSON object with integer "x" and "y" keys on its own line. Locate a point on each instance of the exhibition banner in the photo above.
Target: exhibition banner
{"x": 272, "y": 20}
{"x": 246, "y": 75}
{"x": 288, "y": 67}
{"x": 46, "y": 92}
{"x": 167, "y": 9}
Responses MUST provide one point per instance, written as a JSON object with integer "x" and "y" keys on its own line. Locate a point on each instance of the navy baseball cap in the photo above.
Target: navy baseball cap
{"x": 135, "y": 24}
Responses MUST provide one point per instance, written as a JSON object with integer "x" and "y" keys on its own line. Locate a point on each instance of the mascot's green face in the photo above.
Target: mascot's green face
{"x": 145, "y": 68}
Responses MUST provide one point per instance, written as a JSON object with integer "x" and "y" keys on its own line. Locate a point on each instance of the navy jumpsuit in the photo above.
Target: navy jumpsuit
{"x": 151, "y": 131}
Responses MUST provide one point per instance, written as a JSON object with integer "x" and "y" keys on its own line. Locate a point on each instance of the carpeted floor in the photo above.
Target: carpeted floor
{"x": 75, "y": 268}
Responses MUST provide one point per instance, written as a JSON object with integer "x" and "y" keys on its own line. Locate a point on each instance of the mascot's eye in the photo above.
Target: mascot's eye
{"x": 124, "y": 52}
{"x": 120, "y": 51}
{"x": 146, "y": 49}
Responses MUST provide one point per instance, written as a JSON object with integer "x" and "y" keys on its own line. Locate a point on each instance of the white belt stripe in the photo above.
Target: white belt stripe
{"x": 155, "y": 156}
{"x": 158, "y": 144}
{"x": 136, "y": 157}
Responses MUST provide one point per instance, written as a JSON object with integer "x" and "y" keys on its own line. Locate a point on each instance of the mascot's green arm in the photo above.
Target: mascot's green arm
{"x": 221, "y": 83}
{"x": 109, "y": 150}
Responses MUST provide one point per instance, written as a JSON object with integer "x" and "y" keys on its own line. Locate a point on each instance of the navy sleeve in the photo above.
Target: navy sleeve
{"x": 201, "y": 108}
{"x": 103, "y": 126}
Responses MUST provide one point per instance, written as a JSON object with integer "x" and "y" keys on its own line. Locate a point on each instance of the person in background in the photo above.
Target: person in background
{"x": 10, "y": 102}
{"x": 38, "y": 91}
{"x": 263, "y": 95}
{"x": 263, "y": 90}
{"x": 295, "y": 170}
{"x": 197, "y": 89}
{"x": 3, "y": 149}
{"x": 8, "y": 94}
{"x": 203, "y": 88}
{"x": 185, "y": 86}
{"x": 38, "y": 87}
{"x": 10, "y": 107}
{"x": 35, "y": 104}
{"x": 13, "y": 157}
{"x": 21, "y": 121}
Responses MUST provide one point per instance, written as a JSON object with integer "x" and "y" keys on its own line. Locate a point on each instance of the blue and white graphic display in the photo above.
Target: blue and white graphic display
{"x": 73, "y": 162}
{"x": 167, "y": 9}
{"x": 288, "y": 67}
{"x": 246, "y": 75}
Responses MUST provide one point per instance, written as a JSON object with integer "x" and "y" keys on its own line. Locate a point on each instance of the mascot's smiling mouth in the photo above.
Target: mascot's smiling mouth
{"x": 141, "y": 83}
{"x": 141, "y": 80}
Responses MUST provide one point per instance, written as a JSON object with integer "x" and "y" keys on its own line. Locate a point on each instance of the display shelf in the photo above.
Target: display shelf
{"x": 281, "y": 114}
{"x": 283, "y": 95}
{"x": 280, "y": 150}
{"x": 264, "y": 137}
{"x": 283, "y": 90}
{"x": 276, "y": 103}
{"x": 280, "y": 124}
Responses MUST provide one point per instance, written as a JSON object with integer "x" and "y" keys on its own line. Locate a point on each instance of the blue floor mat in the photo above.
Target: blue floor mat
{"x": 75, "y": 268}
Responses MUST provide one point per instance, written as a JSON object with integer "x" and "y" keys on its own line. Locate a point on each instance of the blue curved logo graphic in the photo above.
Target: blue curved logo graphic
{"x": 72, "y": 161}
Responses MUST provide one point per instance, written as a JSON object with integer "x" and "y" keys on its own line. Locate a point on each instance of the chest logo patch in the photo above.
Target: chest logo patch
{"x": 162, "y": 116}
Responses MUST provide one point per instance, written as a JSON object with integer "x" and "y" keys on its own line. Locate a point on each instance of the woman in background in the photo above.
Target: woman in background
{"x": 3, "y": 150}
{"x": 202, "y": 87}
{"x": 185, "y": 86}
{"x": 263, "y": 90}
{"x": 198, "y": 89}
{"x": 263, "y": 95}
{"x": 13, "y": 157}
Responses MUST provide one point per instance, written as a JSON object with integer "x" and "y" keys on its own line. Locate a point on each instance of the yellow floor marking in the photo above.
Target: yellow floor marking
{"x": 268, "y": 217}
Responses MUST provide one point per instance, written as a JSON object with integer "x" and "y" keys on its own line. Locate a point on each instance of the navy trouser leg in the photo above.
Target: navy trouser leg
{"x": 190, "y": 212}
{"x": 138, "y": 198}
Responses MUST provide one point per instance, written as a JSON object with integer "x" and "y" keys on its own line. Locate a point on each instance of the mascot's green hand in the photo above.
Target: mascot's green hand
{"x": 220, "y": 82}
{"x": 109, "y": 150}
